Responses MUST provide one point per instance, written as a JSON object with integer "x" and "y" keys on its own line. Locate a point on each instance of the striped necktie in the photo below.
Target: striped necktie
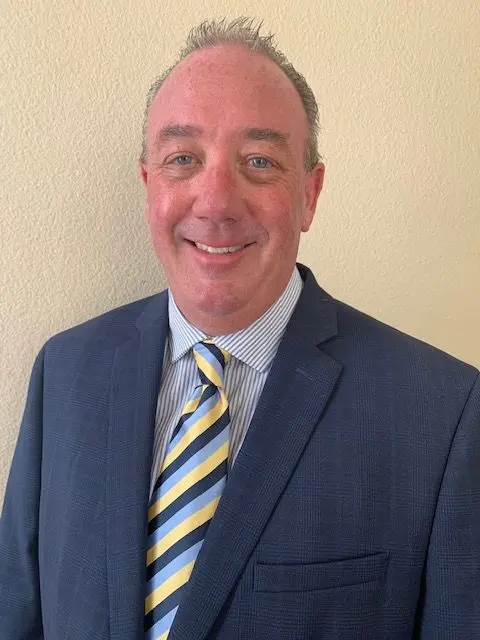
{"x": 187, "y": 491}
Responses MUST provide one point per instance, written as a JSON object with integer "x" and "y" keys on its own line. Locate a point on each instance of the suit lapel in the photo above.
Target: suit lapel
{"x": 295, "y": 394}
{"x": 135, "y": 384}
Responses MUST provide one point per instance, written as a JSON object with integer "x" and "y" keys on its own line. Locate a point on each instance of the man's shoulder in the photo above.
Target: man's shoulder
{"x": 365, "y": 339}
{"x": 112, "y": 327}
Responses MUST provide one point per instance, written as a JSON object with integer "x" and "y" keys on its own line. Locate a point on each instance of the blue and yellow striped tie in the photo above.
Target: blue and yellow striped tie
{"x": 187, "y": 491}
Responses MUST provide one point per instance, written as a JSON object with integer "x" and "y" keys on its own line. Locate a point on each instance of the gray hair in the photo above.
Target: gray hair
{"x": 246, "y": 32}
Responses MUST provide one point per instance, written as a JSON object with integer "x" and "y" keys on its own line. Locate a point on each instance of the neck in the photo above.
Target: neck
{"x": 224, "y": 324}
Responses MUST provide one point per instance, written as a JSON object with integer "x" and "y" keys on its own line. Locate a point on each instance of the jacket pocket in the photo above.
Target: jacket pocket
{"x": 275, "y": 578}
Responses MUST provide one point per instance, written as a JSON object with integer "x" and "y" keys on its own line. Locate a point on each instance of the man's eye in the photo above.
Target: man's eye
{"x": 258, "y": 162}
{"x": 182, "y": 160}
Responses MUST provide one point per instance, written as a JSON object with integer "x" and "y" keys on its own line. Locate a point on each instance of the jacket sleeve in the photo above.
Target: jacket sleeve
{"x": 20, "y": 614}
{"x": 451, "y": 607}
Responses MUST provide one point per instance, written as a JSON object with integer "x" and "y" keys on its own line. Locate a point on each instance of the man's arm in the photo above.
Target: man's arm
{"x": 20, "y": 614}
{"x": 452, "y": 587}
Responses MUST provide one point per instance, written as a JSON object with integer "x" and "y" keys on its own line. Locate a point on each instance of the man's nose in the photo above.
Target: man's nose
{"x": 217, "y": 192}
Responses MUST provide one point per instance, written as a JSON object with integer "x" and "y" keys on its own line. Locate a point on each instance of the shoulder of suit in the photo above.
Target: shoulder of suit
{"x": 112, "y": 327}
{"x": 363, "y": 334}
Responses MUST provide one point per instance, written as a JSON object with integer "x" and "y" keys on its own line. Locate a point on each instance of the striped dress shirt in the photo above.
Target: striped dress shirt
{"x": 252, "y": 350}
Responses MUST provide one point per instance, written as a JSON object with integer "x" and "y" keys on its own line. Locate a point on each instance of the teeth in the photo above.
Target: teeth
{"x": 208, "y": 249}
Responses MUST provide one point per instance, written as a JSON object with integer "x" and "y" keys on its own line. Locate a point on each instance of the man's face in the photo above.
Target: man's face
{"x": 227, "y": 190}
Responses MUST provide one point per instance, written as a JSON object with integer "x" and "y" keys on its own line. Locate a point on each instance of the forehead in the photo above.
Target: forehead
{"x": 229, "y": 89}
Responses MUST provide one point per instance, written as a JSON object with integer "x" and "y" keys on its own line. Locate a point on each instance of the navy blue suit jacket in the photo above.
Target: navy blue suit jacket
{"x": 352, "y": 511}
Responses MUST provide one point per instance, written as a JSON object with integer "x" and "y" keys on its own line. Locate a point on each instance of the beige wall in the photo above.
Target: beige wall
{"x": 398, "y": 227}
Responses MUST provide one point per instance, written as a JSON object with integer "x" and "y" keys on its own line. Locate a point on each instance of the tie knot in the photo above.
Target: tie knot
{"x": 211, "y": 361}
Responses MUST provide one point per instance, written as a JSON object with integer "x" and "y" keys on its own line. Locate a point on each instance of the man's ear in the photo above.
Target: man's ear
{"x": 143, "y": 172}
{"x": 313, "y": 188}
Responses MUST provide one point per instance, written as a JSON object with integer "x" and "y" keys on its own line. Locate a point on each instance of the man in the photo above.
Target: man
{"x": 339, "y": 496}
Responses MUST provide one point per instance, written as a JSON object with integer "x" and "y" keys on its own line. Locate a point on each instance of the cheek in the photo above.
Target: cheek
{"x": 283, "y": 220}
{"x": 158, "y": 224}
{"x": 155, "y": 222}
{"x": 282, "y": 205}
{"x": 163, "y": 208}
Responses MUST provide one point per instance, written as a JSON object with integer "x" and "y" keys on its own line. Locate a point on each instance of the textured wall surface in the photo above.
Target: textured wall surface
{"x": 398, "y": 226}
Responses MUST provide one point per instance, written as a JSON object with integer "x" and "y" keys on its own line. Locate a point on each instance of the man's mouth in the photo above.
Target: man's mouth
{"x": 209, "y": 249}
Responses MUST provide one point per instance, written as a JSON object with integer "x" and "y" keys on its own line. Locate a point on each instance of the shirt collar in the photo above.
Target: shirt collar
{"x": 255, "y": 345}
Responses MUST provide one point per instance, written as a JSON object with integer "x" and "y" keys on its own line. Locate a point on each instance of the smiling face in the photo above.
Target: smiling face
{"x": 227, "y": 190}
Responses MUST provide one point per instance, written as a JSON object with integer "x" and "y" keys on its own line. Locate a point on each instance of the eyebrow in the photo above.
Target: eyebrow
{"x": 270, "y": 135}
{"x": 174, "y": 131}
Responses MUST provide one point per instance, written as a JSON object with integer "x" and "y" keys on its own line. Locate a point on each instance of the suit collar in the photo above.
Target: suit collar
{"x": 154, "y": 315}
{"x": 315, "y": 318}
